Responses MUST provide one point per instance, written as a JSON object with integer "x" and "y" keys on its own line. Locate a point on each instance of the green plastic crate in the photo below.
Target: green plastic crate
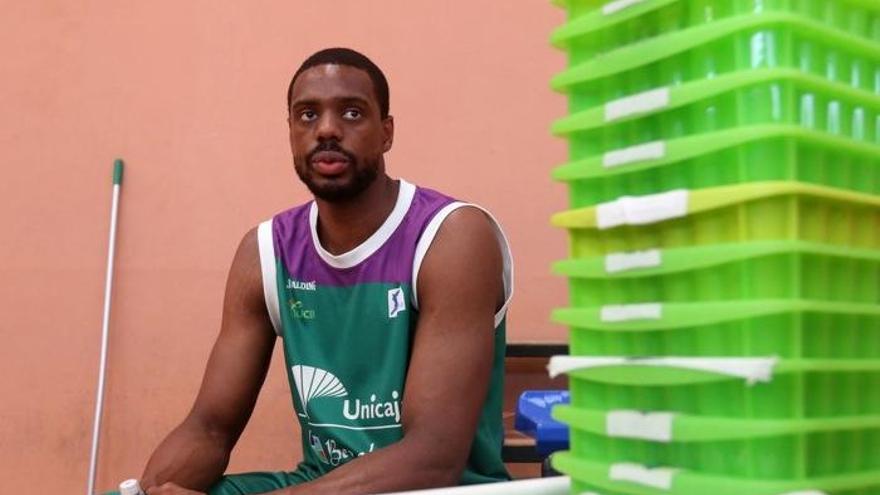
{"x": 583, "y": 488}
{"x": 578, "y": 8}
{"x": 758, "y": 449}
{"x": 754, "y": 41}
{"x": 794, "y": 388}
{"x": 597, "y": 27}
{"x": 746, "y": 212}
{"x": 786, "y": 328}
{"x": 596, "y": 478}
{"x": 621, "y": 130}
{"x": 751, "y": 270}
{"x": 769, "y": 152}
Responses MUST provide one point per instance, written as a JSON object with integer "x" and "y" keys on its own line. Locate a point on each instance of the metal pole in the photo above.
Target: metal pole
{"x": 105, "y": 330}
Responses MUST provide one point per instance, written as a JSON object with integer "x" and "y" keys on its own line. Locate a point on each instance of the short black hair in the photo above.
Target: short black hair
{"x": 347, "y": 56}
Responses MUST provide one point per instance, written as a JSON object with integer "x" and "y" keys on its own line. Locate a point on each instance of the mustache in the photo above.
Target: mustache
{"x": 330, "y": 145}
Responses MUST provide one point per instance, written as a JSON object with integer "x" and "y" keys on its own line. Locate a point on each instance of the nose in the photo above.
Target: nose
{"x": 328, "y": 127}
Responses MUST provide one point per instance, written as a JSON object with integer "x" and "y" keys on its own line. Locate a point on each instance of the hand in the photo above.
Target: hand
{"x": 171, "y": 489}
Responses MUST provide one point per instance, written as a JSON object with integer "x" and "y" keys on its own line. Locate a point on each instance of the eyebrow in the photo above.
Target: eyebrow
{"x": 316, "y": 101}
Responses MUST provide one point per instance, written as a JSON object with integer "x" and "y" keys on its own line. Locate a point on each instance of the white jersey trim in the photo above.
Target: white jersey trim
{"x": 375, "y": 241}
{"x": 427, "y": 239}
{"x": 268, "y": 268}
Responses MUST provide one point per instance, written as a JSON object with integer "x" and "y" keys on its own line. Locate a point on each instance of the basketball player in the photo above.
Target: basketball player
{"x": 389, "y": 300}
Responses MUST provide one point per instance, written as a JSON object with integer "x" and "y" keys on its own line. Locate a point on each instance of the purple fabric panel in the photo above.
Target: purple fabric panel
{"x": 391, "y": 263}
{"x": 290, "y": 231}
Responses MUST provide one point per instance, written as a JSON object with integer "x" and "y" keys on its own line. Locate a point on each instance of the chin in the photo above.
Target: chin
{"x": 339, "y": 188}
{"x": 333, "y": 189}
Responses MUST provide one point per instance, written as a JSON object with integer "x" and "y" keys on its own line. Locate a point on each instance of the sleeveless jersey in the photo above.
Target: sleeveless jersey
{"x": 347, "y": 324}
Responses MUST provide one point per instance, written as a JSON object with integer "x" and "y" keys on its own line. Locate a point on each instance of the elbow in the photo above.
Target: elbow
{"x": 437, "y": 468}
{"x": 440, "y": 475}
{"x": 451, "y": 476}
{"x": 446, "y": 474}
{"x": 217, "y": 433}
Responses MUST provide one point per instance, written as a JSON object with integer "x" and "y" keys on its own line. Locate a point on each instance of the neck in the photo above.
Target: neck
{"x": 342, "y": 226}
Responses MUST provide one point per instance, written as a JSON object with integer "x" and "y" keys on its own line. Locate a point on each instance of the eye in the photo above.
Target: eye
{"x": 351, "y": 114}
{"x": 307, "y": 115}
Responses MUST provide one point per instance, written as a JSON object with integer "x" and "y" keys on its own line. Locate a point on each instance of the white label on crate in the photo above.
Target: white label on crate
{"x": 623, "y": 262}
{"x": 648, "y": 101}
{"x": 565, "y": 364}
{"x": 660, "y": 478}
{"x": 641, "y": 210}
{"x": 610, "y": 215}
{"x": 656, "y": 426}
{"x": 627, "y": 312}
{"x": 639, "y": 153}
{"x": 752, "y": 370}
{"x": 618, "y": 5}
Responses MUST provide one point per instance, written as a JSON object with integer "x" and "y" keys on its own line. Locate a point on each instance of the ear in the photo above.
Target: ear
{"x": 388, "y": 132}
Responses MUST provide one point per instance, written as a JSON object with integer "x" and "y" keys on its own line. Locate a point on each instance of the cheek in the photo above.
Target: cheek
{"x": 298, "y": 143}
{"x": 298, "y": 151}
{"x": 373, "y": 143}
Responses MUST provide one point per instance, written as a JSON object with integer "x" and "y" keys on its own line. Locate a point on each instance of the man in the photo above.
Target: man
{"x": 389, "y": 300}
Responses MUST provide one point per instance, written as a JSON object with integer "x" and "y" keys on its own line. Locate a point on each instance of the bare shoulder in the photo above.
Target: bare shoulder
{"x": 245, "y": 275}
{"x": 248, "y": 248}
{"x": 468, "y": 227}
{"x": 464, "y": 259}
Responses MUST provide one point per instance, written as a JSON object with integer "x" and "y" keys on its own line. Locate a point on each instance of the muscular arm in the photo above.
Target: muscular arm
{"x": 195, "y": 454}
{"x": 460, "y": 285}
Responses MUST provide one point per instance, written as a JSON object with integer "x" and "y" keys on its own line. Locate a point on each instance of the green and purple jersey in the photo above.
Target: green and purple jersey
{"x": 347, "y": 323}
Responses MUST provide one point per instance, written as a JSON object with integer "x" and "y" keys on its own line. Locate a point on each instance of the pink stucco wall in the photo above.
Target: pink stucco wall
{"x": 191, "y": 95}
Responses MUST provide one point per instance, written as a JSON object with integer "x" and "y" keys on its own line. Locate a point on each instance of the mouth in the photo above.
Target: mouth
{"x": 330, "y": 163}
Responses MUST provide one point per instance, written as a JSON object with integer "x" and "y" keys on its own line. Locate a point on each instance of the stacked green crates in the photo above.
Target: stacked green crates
{"x": 724, "y": 273}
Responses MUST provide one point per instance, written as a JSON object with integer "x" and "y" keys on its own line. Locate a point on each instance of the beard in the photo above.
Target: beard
{"x": 341, "y": 189}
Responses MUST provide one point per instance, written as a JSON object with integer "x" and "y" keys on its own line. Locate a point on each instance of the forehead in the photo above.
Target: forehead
{"x": 332, "y": 82}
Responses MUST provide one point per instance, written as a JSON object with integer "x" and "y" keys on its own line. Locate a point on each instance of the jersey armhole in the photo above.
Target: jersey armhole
{"x": 427, "y": 239}
{"x": 268, "y": 268}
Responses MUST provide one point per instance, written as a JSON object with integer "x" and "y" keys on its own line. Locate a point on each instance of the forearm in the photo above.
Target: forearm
{"x": 401, "y": 466}
{"x": 190, "y": 456}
